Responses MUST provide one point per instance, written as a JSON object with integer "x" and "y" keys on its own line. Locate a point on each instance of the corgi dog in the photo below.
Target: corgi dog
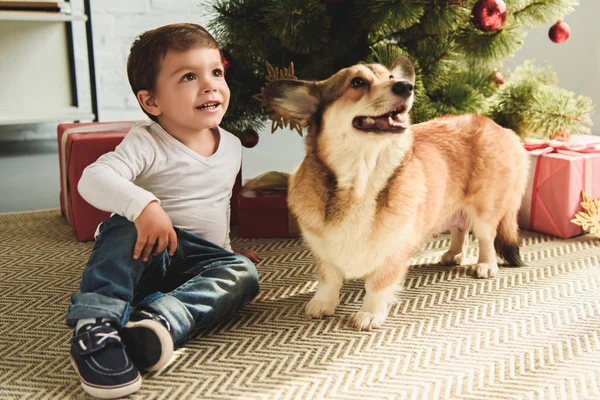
{"x": 372, "y": 188}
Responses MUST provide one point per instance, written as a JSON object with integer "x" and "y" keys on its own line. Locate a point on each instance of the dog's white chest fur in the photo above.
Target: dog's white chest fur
{"x": 349, "y": 243}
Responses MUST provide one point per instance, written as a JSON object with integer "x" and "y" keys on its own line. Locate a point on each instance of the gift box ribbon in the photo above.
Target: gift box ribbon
{"x": 584, "y": 146}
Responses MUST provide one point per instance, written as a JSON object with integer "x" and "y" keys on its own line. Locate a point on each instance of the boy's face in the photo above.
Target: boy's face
{"x": 191, "y": 93}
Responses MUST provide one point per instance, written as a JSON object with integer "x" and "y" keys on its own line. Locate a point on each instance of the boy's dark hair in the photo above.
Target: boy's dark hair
{"x": 150, "y": 48}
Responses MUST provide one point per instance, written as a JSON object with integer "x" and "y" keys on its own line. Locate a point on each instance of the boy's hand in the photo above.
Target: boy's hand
{"x": 250, "y": 255}
{"x": 155, "y": 232}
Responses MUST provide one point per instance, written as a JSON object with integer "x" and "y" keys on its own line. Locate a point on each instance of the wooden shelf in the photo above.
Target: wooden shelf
{"x": 7, "y": 15}
{"x": 39, "y": 84}
{"x": 67, "y": 114}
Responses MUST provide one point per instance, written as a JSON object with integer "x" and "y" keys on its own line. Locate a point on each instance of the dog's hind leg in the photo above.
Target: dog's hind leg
{"x": 326, "y": 297}
{"x": 485, "y": 232}
{"x": 381, "y": 286}
{"x": 507, "y": 240}
{"x": 459, "y": 239}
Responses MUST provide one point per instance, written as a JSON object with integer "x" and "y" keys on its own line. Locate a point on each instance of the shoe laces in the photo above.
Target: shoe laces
{"x": 101, "y": 336}
{"x": 162, "y": 319}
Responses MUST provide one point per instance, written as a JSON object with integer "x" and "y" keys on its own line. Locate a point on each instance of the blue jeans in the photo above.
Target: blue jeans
{"x": 200, "y": 284}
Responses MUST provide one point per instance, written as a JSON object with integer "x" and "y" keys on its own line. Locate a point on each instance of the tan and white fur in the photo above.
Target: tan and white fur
{"x": 372, "y": 188}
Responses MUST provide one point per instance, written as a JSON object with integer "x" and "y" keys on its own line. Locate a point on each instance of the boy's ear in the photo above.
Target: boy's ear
{"x": 293, "y": 99}
{"x": 148, "y": 103}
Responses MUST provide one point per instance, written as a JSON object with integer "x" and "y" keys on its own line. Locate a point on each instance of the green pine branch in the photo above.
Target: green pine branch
{"x": 386, "y": 16}
{"x": 237, "y": 23}
{"x": 489, "y": 47}
{"x": 302, "y": 26}
{"x": 530, "y": 13}
{"x": 531, "y": 104}
{"x": 443, "y": 19}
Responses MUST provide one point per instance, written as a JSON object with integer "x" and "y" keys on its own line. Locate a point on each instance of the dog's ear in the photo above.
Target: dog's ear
{"x": 403, "y": 69}
{"x": 293, "y": 99}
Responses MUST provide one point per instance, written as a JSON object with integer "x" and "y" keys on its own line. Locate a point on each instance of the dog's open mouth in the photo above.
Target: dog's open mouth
{"x": 394, "y": 121}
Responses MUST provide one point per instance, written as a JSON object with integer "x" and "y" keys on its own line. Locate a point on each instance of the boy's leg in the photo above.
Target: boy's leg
{"x": 111, "y": 276}
{"x": 204, "y": 283}
{"x": 102, "y": 306}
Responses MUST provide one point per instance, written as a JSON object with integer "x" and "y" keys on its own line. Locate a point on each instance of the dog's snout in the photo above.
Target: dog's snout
{"x": 402, "y": 88}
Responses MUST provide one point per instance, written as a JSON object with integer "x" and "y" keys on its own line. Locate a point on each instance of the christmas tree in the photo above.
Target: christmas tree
{"x": 456, "y": 46}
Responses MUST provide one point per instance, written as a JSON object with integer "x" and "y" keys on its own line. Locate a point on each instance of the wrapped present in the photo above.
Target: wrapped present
{"x": 560, "y": 172}
{"x": 79, "y": 145}
{"x": 263, "y": 210}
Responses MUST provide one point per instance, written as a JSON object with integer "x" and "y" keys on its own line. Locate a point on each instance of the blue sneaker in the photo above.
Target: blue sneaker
{"x": 147, "y": 338}
{"x": 100, "y": 360}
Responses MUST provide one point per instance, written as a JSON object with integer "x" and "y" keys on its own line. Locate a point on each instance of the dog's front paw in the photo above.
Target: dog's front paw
{"x": 451, "y": 258}
{"x": 485, "y": 270}
{"x": 317, "y": 308}
{"x": 365, "y": 321}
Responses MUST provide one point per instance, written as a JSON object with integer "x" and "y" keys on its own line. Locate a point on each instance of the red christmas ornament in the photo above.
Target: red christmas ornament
{"x": 489, "y": 15}
{"x": 499, "y": 78}
{"x": 559, "y": 32}
{"x": 225, "y": 61}
{"x": 249, "y": 138}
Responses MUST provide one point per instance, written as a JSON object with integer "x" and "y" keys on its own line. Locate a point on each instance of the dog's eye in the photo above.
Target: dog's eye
{"x": 391, "y": 76}
{"x": 356, "y": 83}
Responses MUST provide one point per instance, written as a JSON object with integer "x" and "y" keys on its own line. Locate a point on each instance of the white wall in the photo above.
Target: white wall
{"x": 117, "y": 22}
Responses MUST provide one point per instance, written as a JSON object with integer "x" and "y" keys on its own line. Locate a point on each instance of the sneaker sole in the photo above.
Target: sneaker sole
{"x": 143, "y": 336}
{"x": 108, "y": 392}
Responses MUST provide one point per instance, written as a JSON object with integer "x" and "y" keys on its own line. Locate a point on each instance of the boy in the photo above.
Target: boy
{"x": 162, "y": 265}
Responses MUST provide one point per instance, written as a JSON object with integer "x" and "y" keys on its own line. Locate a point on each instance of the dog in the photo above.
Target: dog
{"x": 372, "y": 188}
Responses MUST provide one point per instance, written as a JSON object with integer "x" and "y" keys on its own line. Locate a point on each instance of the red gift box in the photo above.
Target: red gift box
{"x": 559, "y": 172}
{"x": 79, "y": 145}
{"x": 265, "y": 214}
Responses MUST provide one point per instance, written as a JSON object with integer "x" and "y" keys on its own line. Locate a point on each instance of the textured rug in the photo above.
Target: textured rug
{"x": 530, "y": 333}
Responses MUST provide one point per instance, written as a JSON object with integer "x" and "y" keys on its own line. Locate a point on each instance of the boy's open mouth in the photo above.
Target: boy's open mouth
{"x": 394, "y": 121}
{"x": 208, "y": 106}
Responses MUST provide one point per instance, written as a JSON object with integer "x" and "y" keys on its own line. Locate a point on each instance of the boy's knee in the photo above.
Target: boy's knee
{"x": 248, "y": 274}
{"x": 120, "y": 226}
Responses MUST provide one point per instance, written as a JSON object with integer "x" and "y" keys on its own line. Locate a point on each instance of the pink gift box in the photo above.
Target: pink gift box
{"x": 559, "y": 172}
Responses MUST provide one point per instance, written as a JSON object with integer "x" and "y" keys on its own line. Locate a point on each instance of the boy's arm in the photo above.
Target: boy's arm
{"x": 107, "y": 183}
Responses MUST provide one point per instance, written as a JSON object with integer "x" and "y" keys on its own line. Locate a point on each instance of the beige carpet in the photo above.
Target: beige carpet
{"x": 530, "y": 333}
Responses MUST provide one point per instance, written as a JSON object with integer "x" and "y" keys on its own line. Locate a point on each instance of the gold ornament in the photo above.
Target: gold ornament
{"x": 278, "y": 121}
{"x": 562, "y": 134}
{"x": 590, "y": 219}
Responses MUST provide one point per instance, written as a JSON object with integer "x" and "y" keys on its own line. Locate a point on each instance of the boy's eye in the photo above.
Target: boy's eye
{"x": 217, "y": 72}
{"x": 188, "y": 77}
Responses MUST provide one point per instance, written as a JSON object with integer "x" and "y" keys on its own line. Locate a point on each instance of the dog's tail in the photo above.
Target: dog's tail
{"x": 507, "y": 240}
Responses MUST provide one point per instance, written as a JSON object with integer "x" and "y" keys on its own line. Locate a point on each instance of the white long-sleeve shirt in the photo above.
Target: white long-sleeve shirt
{"x": 150, "y": 164}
